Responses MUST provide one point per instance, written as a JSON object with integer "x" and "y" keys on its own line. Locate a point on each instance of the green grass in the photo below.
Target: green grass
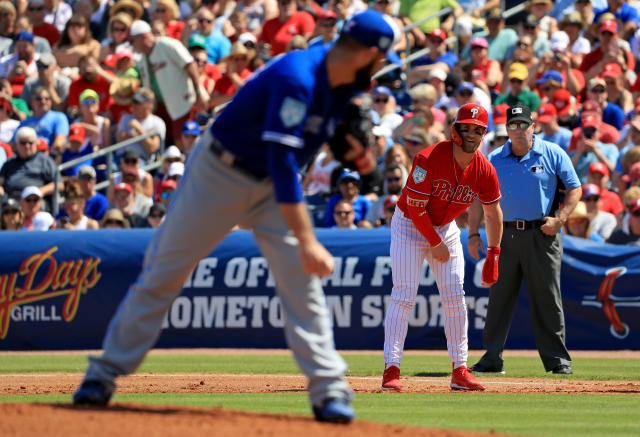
{"x": 527, "y": 367}
{"x": 532, "y": 415}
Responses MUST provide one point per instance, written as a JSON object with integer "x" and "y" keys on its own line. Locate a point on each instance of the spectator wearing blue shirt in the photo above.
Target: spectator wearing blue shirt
{"x": 96, "y": 203}
{"x": 529, "y": 170}
{"x": 326, "y": 29}
{"x": 439, "y": 57}
{"x": 611, "y": 113}
{"x": 218, "y": 45}
{"x": 624, "y": 12}
{"x": 52, "y": 126}
{"x": 349, "y": 187}
{"x": 551, "y": 130}
{"x": 76, "y": 149}
{"x": 589, "y": 149}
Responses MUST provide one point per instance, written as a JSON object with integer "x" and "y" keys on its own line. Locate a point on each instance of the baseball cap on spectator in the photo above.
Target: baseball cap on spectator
{"x": 596, "y": 81}
{"x": 494, "y": 14}
{"x": 327, "y": 14}
{"x": 111, "y": 61}
{"x": 46, "y": 60}
{"x": 599, "y": 167}
{"x": 158, "y": 207}
{"x": 479, "y": 41}
{"x": 590, "y": 190}
{"x": 530, "y": 21}
{"x": 23, "y": 35}
{"x": 373, "y": 29}
{"x": 246, "y": 37}
{"x": 634, "y": 206}
{"x": 42, "y": 221}
{"x": 501, "y": 131}
{"x": 11, "y": 205}
{"x": 500, "y": 113}
{"x": 518, "y": 70}
{"x": 519, "y": 112}
{"x": 88, "y": 94}
{"x": 190, "y": 128}
{"x": 634, "y": 173}
{"x": 611, "y": 70}
{"x": 559, "y": 41}
{"x": 382, "y": 90}
{"x": 42, "y": 146}
{"x": 561, "y": 99}
{"x": 463, "y": 26}
{"x": 546, "y": 112}
{"x": 87, "y": 170}
{"x": 465, "y": 86}
{"x": 176, "y": 169}
{"x": 572, "y": 18}
{"x": 139, "y": 27}
{"x": 131, "y": 5}
{"x": 591, "y": 106}
{"x": 168, "y": 184}
{"x": 609, "y": 26}
{"x": 114, "y": 214}
{"x": 31, "y": 190}
{"x": 451, "y": 83}
{"x": 390, "y": 201}
{"x": 381, "y": 131}
{"x": 349, "y": 175}
{"x": 438, "y": 33}
{"x": 551, "y": 75}
{"x": 131, "y": 154}
{"x": 197, "y": 41}
{"x": 123, "y": 186}
{"x": 143, "y": 95}
{"x": 76, "y": 133}
{"x": 590, "y": 120}
{"x": 438, "y": 73}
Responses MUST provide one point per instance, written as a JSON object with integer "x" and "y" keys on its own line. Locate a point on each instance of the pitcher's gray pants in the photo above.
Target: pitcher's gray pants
{"x": 211, "y": 199}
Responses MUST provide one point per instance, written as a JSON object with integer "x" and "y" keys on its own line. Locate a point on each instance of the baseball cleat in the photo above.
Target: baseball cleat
{"x": 462, "y": 379}
{"x": 334, "y": 410}
{"x": 562, "y": 369}
{"x": 480, "y": 369}
{"x": 92, "y": 393}
{"x": 391, "y": 379}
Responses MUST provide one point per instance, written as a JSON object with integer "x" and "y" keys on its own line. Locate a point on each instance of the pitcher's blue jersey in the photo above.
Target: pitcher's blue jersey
{"x": 280, "y": 118}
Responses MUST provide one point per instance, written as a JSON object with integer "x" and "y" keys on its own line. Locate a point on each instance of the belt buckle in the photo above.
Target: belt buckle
{"x": 520, "y": 225}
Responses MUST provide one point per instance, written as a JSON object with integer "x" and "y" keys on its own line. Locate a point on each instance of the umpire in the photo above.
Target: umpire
{"x": 530, "y": 171}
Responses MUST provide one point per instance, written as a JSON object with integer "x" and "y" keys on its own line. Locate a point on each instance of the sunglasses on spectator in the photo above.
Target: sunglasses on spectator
{"x": 522, "y": 125}
{"x": 523, "y": 44}
{"x": 89, "y": 101}
{"x": 31, "y": 199}
{"x": 529, "y": 27}
{"x": 131, "y": 11}
{"x": 130, "y": 161}
{"x": 156, "y": 216}
{"x": 381, "y": 99}
{"x": 119, "y": 29}
{"x": 238, "y": 58}
{"x": 205, "y": 20}
{"x": 85, "y": 177}
{"x": 546, "y": 89}
{"x": 167, "y": 194}
{"x": 342, "y": 213}
{"x": 35, "y": 8}
{"x": 114, "y": 222}
{"x": 161, "y": 10}
{"x": 514, "y": 80}
{"x": 328, "y": 23}
{"x": 606, "y": 33}
{"x": 598, "y": 90}
{"x": 41, "y": 66}
{"x": 466, "y": 94}
{"x": 393, "y": 179}
{"x": 25, "y": 142}
{"x": 42, "y": 98}
{"x": 591, "y": 198}
{"x": 250, "y": 44}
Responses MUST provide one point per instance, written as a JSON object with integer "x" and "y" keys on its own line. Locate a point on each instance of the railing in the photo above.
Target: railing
{"x": 105, "y": 151}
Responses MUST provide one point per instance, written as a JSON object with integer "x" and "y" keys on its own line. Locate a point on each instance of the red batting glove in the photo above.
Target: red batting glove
{"x": 490, "y": 269}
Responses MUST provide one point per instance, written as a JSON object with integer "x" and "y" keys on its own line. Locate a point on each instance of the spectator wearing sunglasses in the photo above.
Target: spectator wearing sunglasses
{"x": 36, "y": 10}
{"x": 531, "y": 27}
{"x": 384, "y": 103}
{"x": 34, "y": 219}
{"x": 326, "y": 31}
{"x": 344, "y": 215}
{"x": 117, "y": 32}
{"x": 97, "y": 127}
{"x": 96, "y": 204}
{"x": 624, "y": 12}
{"x": 235, "y": 75}
{"x": 590, "y": 149}
{"x": 157, "y": 214}
{"x": 416, "y": 141}
{"x": 551, "y": 130}
{"x": 50, "y": 78}
{"x": 349, "y": 189}
{"x": 218, "y": 45}
{"x": 114, "y": 219}
{"x": 629, "y": 233}
{"x": 602, "y": 223}
{"x": 518, "y": 91}
{"x": 611, "y": 113}
{"x": 130, "y": 162}
{"x": 609, "y": 51}
{"x": 395, "y": 179}
{"x": 168, "y": 12}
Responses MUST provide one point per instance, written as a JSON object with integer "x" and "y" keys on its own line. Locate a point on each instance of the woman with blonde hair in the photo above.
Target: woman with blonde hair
{"x": 398, "y": 154}
{"x": 76, "y": 41}
{"x": 117, "y": 32}
{"x": 168, "y": 12}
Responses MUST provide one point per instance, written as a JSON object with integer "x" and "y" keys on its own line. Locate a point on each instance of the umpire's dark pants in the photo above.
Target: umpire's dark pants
{"x": 536, "y": 257}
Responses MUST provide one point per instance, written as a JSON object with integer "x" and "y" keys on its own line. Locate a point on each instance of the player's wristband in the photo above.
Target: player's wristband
{"x": 474, "y": 235}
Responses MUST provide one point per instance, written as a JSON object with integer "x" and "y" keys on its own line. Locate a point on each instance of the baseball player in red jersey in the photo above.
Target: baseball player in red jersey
{"x": 444, "y": 181}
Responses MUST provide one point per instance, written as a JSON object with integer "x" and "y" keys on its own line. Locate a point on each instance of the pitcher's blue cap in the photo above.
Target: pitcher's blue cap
{"x": 374, "y": 29}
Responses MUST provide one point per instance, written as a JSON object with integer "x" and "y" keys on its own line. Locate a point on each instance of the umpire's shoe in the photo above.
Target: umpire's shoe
{"x": 334, "y": 410}
{"x": 92, "y": 392}
{"x": 482, "y": 369}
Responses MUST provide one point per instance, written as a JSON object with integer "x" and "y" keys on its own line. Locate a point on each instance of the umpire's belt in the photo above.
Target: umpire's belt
{"x": 522, "y": 225}
{"x": 233, "y": 161}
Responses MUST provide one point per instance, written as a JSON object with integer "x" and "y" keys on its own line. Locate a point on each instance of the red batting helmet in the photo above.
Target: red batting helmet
{"x": 469, "y": 113}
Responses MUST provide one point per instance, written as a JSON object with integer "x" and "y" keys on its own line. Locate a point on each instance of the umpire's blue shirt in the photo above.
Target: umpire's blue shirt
{"x": 528, "y": 185}
{"x": 281, "y": 116}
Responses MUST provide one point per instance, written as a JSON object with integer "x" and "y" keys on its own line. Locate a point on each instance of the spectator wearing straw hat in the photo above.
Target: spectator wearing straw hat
{"x": 168, "y": 12}
{"x": 546, "y": 23}
{"x": 236, "y": 73}
{"x": 573, "y": 25}
{"x": 121, "y": 91}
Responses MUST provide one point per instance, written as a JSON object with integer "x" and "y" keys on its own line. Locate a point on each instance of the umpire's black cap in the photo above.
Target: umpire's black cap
{"x": 519, "y": 112}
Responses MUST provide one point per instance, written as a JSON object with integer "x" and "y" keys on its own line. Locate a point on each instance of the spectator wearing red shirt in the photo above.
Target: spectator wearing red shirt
{"x": 566, "y": 107}
{"x": 237, "y": 72}
{"x": 92, "y": 76}
{"x": 609, "y": 201}
{"x": 485, "y": 71}
{"x": 278, "y": 31}
{"x": 609, "y": 51}
{"x": 168, "y": 12}
{"x": 36, "y": 11}
{"x": 197, "y": 46}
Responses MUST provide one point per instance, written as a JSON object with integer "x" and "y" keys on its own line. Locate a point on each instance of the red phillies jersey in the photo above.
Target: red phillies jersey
{"x": 437, "y": 178}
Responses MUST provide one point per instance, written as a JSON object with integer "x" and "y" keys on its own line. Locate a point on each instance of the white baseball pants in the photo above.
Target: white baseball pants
{"x": 409, "y": 249}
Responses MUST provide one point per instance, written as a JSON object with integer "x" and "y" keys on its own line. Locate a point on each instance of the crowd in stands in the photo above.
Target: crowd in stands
{"x": 77, "y": 76}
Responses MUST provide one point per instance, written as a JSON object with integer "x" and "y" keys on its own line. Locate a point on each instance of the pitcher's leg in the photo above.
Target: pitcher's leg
{"x": 308, "y": 329}
{"x": 407, "y": 258}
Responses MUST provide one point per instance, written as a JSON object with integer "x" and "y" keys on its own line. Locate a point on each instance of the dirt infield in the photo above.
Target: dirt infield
{"x": 63, "y": 419}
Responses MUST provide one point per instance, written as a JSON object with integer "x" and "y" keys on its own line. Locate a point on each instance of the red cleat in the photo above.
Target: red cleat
{"x": 462, "y": 379}
{"x": 391, "y": 379}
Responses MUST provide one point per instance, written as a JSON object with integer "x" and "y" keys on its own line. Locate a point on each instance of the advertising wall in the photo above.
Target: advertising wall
{"x": 59, "y": 289}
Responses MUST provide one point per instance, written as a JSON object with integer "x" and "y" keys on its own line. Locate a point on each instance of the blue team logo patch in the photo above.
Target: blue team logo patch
{"x": 419, "y": 174}
{"x": 292, "y": 112}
